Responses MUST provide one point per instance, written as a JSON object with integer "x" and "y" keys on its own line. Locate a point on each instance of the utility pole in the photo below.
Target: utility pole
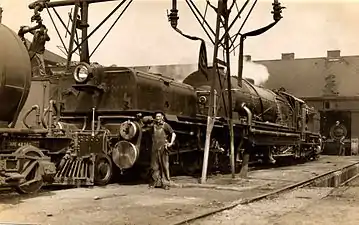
{"x": 212, "y": 107}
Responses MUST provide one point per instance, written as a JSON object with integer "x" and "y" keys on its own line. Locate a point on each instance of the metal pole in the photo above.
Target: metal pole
{"x": 84, "y": 56}
{"x": 1, "y": 14}
{"x": 240, "y": 61}
{"x": 230, "y": 122}
{"x": 73, "y": 30}
{"x": 211, "y": 114}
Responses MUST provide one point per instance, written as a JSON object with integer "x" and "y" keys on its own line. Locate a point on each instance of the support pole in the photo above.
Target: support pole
{"x": 84, "y": 57}
{"x": 240, "y": 61}
{"x": 229, "y": 88}
{"x": 211, "y": 112}
{"x": 246, "y": 154}
{"x": 1, "y": 15}
{"x": 73, "y": 30}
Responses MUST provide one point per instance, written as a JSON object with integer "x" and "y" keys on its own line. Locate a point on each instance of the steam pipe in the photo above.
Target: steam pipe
{"x": 50, "y": 116}
{"x": 256, "y": 131}
{"x": 93, "y": 123}
{"x": 240, "y": 61}
{"x": 34, "y": 107}
{"x": 249, "y": 115}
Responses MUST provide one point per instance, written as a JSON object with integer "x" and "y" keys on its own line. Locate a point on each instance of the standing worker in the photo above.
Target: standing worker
{"x": 160, "y": 148}
{"x": 37, "y": 48}
{"x": 339, "y": 133}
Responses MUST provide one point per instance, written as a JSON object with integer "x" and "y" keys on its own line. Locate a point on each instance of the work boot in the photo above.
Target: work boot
{"x": 271, "y": 159}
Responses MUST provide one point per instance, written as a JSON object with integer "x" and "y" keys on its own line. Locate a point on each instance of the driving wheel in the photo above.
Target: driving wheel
{"x": 30, "y": 169}
{"x": 103, "y": 169}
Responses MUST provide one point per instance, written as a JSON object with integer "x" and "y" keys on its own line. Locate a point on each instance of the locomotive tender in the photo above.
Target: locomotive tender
{"x": 98, "y": 122}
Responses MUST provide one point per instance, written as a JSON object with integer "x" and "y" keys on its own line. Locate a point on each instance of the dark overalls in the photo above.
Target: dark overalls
{"x": 159, "y": 155}
{"x": 36, "y": 52}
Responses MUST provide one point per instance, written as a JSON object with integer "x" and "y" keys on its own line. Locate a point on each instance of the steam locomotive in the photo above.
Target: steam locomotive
{"x": 96, "y": 123}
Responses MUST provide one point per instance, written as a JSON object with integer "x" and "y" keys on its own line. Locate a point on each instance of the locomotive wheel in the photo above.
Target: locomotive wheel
{"x": 31, "y": 170}
{"x": 103, "y": 170}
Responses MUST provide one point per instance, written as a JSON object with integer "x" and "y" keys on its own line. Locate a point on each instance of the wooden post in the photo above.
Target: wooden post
{"x": 211, "y": 112}
{"x": 229, "y": 88}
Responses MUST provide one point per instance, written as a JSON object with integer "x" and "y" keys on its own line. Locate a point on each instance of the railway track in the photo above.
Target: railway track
{"x": 334, "y": 178}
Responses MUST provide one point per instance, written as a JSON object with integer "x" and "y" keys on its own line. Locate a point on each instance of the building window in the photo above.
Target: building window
{"x": 326, "y": 105}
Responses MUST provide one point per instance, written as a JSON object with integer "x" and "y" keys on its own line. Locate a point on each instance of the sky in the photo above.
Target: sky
{"x": 143, "y": 35}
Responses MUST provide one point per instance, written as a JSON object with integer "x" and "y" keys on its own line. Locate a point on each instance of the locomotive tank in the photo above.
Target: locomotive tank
{"x": 15, "y": 75}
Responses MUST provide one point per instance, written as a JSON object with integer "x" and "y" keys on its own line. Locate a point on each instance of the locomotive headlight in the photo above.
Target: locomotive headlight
{"x": 82, "y": 72}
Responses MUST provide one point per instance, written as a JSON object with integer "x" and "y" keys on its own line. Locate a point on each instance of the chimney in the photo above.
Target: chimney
{"x": 333, "y": 54}
{"x": 250, "y": 80}
{"x": 1, "y": 14}
{"x": 287, "y": 56}
{"x": 247, "y": 58}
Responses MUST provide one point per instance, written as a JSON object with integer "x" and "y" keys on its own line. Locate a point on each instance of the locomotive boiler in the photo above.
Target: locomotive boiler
{"x": 15, "y": 74}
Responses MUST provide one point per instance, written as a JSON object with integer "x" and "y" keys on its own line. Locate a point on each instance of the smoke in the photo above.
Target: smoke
{"x": 177, "y": 72}
{"x": 258, "y": 72}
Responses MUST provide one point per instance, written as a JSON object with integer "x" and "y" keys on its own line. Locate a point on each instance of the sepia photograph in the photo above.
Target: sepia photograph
{"x": 176, "y": 112}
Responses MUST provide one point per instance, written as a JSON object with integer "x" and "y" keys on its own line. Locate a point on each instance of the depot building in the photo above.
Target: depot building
{"x": 330, "y": 84}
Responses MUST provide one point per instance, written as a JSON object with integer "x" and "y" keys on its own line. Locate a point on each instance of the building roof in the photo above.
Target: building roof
{"x": 323, "y": 76}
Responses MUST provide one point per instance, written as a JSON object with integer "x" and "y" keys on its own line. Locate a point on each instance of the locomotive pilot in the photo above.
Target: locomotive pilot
{"x": 160, "y": 132}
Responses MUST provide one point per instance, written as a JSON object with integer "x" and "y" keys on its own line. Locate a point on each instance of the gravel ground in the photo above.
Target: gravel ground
{"x": 308, "y": 206}
{"x": 136, "y": 204}
{"x": 113, "y": 204}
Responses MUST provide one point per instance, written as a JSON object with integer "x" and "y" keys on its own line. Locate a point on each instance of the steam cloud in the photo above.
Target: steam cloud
{"x": 177, "y": 72}
{"x": 258, "y": 72}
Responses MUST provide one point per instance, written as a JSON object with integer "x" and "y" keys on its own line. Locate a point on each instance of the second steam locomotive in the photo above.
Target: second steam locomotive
{"x": 97, "y": 123}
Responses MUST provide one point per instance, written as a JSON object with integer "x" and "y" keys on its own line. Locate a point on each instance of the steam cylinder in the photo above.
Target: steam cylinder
{"x": 15, "y": 75}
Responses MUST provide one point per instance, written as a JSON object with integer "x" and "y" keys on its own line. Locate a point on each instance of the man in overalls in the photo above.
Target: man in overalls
{"x": 160, "y": 149}
{"x": 338, "y": 131}
{"x": 37, "y": 47}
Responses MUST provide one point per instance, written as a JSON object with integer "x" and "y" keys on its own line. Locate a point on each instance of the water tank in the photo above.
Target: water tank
{"x": 15, "y": 75}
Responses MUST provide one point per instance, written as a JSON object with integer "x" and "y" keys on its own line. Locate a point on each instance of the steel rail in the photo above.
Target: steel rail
{"x": 297, "y": 185}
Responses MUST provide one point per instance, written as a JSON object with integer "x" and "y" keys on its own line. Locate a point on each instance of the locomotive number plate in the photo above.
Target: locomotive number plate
{"x": 18, "y": 144}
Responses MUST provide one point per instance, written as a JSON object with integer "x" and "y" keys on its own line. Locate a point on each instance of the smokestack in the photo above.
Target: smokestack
{"x": 250, "y": 80}
{"x": 1, "y": 14}
{"x": 333, "y": 54}
{"x": 248, "y": 58}
{"x": 287, "y": 56}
